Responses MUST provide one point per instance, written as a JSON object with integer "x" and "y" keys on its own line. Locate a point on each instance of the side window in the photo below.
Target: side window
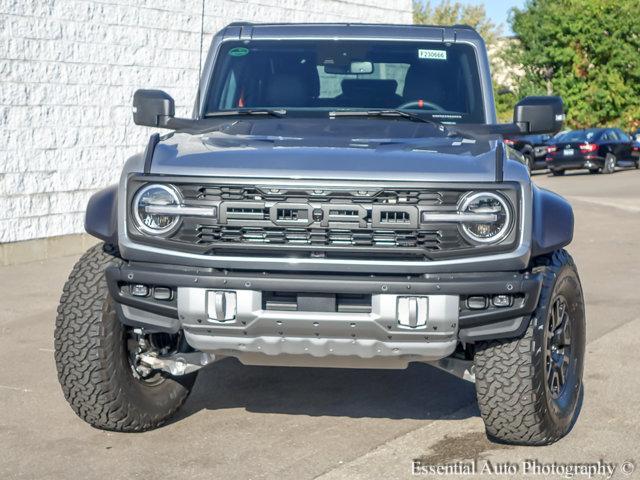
{"x": 606, "y": 136}
{"x": 622, "y": 136}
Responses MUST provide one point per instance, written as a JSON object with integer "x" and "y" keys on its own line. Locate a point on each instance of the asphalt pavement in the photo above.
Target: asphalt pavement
{"x": 297, "y": 423}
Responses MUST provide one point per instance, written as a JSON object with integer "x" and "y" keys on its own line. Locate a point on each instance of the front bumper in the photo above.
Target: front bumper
{"x": 577, "y": 162}
{"x": 329, "y": 320}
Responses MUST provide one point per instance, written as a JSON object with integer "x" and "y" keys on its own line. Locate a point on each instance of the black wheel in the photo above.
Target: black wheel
{"x": 95, "y": 356}
{"x": 593, "y": 171}
{"x": 529, "y": 388}
{"x": 610, "y": 163}
{"x": 637, "y": 164}
{"x": 557, "y": 173}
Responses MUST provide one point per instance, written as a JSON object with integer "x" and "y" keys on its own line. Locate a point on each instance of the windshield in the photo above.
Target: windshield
{"x": 437, "y": 81}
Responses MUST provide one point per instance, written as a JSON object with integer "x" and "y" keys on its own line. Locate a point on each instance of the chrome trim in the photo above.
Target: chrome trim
{"x": 514, "y": 260}
{"x": 460, "y": 217}
{"x": 181, "y": 210}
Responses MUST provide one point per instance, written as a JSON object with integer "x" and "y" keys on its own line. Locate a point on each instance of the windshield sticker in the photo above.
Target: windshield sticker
{"x": 238, "y": 51}
{"x": 432, "y": 54}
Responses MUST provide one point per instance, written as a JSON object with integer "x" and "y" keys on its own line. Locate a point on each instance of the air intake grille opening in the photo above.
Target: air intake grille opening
{"x": 394, "y": 217}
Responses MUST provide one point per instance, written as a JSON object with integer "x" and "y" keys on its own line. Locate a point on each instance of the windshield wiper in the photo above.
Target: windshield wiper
{"x": 278, "y": 113}
{"x": 390, "y": 112}
{"x": 394, "y": 112}
{"x": 449, "y": 130}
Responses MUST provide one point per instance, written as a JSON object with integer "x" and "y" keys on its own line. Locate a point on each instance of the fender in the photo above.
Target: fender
{"x": 552, "y": 222}
{"x": 102, "y": 214}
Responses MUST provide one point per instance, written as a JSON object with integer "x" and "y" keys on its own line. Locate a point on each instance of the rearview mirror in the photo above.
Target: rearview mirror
{"x": 351, "y": 68}
{"x": 537, "y": 115}
{"x": 153, "y": 108}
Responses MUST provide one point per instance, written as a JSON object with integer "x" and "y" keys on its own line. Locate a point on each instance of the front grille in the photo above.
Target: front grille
{"x": 330, "y": 220}
{"x": 361, "y": 221}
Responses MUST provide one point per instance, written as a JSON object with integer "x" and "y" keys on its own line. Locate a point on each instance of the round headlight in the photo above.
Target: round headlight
{"x": 150, "y": 221}
{"x": 489, "y": 217}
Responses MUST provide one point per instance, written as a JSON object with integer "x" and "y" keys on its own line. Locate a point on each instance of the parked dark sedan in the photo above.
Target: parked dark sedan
{"x": 594, "y": 149}
{"x": 532, "y": 147}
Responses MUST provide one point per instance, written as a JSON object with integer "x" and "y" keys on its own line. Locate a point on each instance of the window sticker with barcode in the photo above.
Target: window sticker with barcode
{"x": 432, "y": 54}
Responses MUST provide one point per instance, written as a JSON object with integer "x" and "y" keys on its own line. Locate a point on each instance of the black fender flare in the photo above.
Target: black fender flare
{"x": 553, "y": 222}
{"x": 101, "y": 218}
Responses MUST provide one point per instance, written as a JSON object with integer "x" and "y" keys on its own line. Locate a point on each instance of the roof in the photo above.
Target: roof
{"x": 255, "y": 31}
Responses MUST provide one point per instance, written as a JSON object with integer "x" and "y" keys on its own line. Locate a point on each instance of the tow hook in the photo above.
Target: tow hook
{"x": 178, "y": 363}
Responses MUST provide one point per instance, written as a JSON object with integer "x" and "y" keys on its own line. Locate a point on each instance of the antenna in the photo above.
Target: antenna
{"x": 200, "y": 60}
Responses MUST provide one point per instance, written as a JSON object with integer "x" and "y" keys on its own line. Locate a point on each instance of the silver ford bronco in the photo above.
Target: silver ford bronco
{"x": 340, "y": 197}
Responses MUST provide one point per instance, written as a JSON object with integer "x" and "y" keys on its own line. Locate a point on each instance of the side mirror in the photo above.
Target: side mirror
{"x": 153, "y": 108}
{"x": 537, "y": 115}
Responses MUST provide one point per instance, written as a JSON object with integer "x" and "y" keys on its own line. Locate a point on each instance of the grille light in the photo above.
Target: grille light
{"x": 482, "y": 231}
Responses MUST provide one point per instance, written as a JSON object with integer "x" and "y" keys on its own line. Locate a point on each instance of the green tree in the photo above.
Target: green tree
{"x": 447, "y": 12}
{"x": 588, "y": 52}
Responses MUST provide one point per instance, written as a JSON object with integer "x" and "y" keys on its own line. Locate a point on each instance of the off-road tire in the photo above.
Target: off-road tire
{"x": 511, "y": 384}
{"x": 92, "y": 360}
{"x": 594, "y": 171}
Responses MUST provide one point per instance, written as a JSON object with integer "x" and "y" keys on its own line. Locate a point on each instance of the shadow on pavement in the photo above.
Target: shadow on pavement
{"x": 419, "y": 392}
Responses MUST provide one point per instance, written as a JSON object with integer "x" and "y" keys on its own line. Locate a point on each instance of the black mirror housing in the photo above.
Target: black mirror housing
{"x": 537, "y": 115}
{"x": 153, "y": 108}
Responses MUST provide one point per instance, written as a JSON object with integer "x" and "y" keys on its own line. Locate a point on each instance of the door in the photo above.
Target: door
{"x": 625, "y": 145}
{"x": 608, "y": 143}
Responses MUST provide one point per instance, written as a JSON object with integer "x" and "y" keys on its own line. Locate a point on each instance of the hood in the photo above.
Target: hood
{"x": 323, "y": 149}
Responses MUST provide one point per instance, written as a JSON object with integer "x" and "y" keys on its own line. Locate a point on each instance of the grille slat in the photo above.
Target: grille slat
{"x": 431, "y": 240}
{"x": 369, "y": 196}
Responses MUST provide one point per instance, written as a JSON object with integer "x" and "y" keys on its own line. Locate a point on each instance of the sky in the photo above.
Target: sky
{"x": 497, "y": 10}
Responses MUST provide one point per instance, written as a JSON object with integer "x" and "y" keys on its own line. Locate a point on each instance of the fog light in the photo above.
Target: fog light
{"x": 139, "y": 290}
{"x": 162, "y": 293}
{"x": 502, "y": 300}
{"x": 476, "y": 303}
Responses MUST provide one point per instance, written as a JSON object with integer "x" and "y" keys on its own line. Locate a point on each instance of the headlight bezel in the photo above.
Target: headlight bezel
{"x": 138, "y": 221}
{"x": 509, "y": 221}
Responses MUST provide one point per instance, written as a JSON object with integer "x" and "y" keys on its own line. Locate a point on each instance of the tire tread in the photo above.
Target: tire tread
{"x": 86, "y": 360}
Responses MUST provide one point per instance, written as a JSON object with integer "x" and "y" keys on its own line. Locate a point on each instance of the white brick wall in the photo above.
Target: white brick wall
{"x": 68, "y": 70}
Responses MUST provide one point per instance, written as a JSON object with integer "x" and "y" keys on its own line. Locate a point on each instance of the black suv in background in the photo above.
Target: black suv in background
{"x": 533, "y": 149}
{"x": 594, "y": 149}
